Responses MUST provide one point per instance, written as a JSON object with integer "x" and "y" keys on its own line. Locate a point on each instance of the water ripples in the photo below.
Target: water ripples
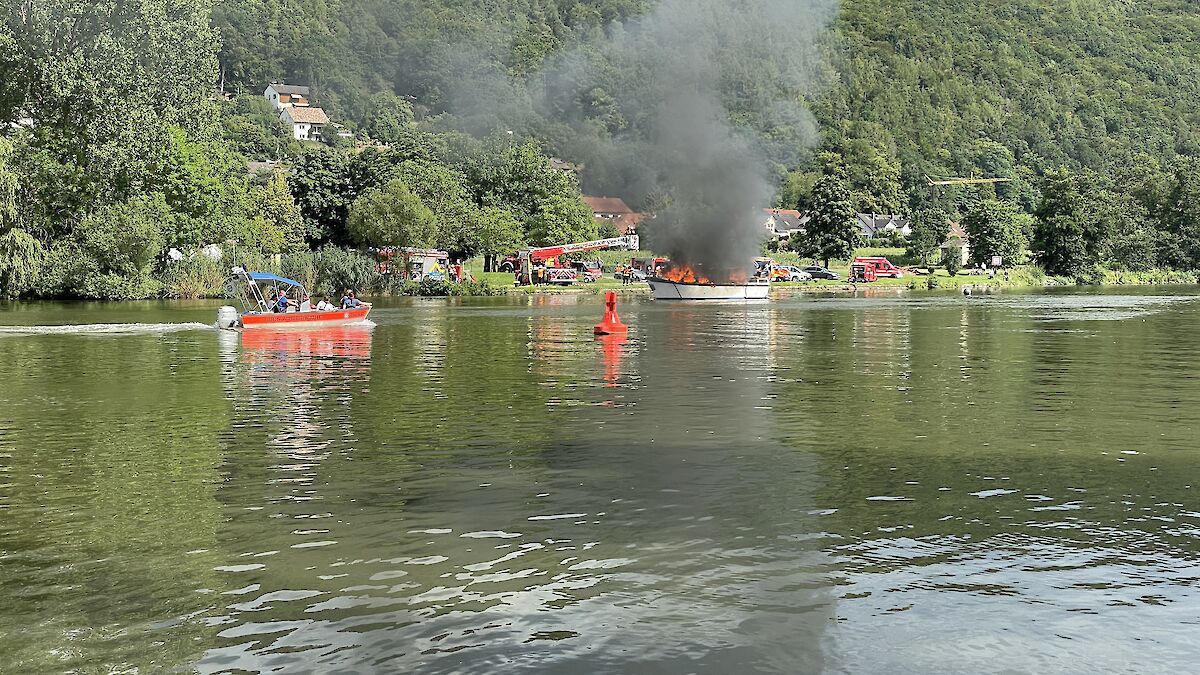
{"x": 847, "y": 484}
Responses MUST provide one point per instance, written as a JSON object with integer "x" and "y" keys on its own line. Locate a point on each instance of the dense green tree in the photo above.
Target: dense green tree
{"x": 119, "y": 245}
{"x": 392, "y": 215}
{"x": 930, "y": 227}
{"x": 321, "y": 185}
{"x": 500, "y": 233}
{"x": 561, "y": 220}
{"x": 1181, "y": 213}
{"x": 1058, "y": 239}
{"x": 442, "y": 189}
{"x": 275, "y": 222}
{"x": 521, "y": 181}
{"x": 205, "y": 184}
{"x": 252, "y": 127}
{"x": 20, "y": 253}
{"x": 104, "y": 81}
{"x": 795, "y": 188}
{"x": 994, "y": 229}
{"x": 388, "y": 118}
{"x": 832, "y": 232}
{"x": 952, "y": 261}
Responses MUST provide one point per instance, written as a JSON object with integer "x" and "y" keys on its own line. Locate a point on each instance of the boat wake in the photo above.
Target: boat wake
{"x": 106, "y": 329}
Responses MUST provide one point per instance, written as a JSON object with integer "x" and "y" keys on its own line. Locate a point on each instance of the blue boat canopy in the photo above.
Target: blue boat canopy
{"x": 267, "y": 276}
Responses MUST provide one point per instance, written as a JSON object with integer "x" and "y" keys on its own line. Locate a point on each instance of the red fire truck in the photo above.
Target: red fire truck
{"x": 882, "y": 266}
{"x": 540, "y": 265}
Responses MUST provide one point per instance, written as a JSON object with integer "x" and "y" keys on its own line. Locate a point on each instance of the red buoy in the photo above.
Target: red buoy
{"x": 611, "y": 323}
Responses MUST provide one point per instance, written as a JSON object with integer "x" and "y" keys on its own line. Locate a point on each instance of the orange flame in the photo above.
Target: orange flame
{"x": 684, "y": 274}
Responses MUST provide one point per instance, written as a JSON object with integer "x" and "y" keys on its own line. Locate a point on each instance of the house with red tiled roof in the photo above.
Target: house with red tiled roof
{"x": 306, "y": 122}
{"x": 614, "y": 210}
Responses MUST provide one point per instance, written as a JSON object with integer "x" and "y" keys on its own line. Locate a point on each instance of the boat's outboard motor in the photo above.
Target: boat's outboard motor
{"x": 227, "y": 318}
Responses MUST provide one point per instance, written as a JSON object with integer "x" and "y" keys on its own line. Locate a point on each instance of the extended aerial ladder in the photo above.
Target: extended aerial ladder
{"x": 936, "y": 183}
{"x": 531, "y": 258}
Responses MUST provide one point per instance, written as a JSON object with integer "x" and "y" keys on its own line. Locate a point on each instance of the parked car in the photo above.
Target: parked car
{"x": 789, "y": 273}
{"x": 818, "y": 272}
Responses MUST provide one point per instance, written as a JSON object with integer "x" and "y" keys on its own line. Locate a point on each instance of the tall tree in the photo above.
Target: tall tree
{"x": 322, "y": 188}
{"x": 500, "y": 233}
{"x": 832, "y": 232}
{"x": 20, "y": 253}
{"x": 442, "y": 189}
{"x": 561, "y": 220}
{"x": 1072, "y": 232}
{"x": 994, "y": 229}
{"x": 929, "y": 229}
{"x": 1181, "y": 212}
{"x": 392, "y": 216}
{"x": 275, "y": 216}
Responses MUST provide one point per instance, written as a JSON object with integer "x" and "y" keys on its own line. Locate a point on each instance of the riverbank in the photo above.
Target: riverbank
{"x": 1018, "y": 278}
{"x": 329, "y": 271}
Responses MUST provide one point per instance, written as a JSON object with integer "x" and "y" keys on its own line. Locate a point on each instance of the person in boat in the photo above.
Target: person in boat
{"x": 306, "y": 303}
{"x": 282, "y": 303}
{"x": 349, "y": 301}
{"x": 325, "y": 305}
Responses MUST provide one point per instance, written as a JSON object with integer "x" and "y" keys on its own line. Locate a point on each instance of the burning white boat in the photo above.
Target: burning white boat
{"x": 754, "y": 289}
{"x": 682, "y": 283}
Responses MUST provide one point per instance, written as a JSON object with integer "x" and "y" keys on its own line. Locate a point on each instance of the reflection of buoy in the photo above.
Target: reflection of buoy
{"x": 611, "y": 323}
{"x": 612, "y": 357}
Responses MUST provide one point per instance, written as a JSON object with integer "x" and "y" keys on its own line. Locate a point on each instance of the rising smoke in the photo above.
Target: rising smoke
{"x": 701, "y": 104}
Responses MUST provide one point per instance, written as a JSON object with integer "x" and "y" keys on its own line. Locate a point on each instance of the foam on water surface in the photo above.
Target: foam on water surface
{"x": 106, "y": 329}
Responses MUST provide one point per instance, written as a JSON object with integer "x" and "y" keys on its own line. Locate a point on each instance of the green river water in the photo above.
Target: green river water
{"x": 889, "y": 483}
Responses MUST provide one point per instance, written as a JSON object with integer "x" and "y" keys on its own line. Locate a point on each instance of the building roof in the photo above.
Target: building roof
{"x": 301, "y": 115}
{"x": 871, "y": 224}
{"x": 786, "y": 221}
{"x": 289, "y": 89}
{"x": 607, "y": 204}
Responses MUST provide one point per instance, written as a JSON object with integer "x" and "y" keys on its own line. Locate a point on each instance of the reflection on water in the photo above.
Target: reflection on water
{"x": 880, "y": 484}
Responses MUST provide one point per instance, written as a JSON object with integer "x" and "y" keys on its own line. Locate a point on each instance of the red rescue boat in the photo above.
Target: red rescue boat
{"x": 254, "y": 289}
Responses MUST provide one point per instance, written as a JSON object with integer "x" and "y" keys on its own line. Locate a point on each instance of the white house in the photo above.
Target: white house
{"x": 307, "y": 123}
{"x": 286, "y": 95}
{"x": 874, "y": 224}
{"x": 783, "y": 223}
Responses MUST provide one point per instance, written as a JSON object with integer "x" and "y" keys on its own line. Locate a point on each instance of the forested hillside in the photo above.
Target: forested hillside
{"x": 125, "y": 126}
{"x": 941, "y": 87}
{"x": 1084, "y": 84}
{"x": 447, "y": 54}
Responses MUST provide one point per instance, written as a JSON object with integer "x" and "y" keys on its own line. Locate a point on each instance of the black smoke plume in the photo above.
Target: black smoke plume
{"x": 693, "y": 110}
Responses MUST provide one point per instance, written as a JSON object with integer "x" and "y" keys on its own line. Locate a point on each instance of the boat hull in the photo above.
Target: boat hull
{"x": 305, "y": 320}
{"x": 669, "y": 290}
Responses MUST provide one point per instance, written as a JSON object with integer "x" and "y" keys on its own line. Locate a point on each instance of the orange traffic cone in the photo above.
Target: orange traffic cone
{"x": 611, "y": 323}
